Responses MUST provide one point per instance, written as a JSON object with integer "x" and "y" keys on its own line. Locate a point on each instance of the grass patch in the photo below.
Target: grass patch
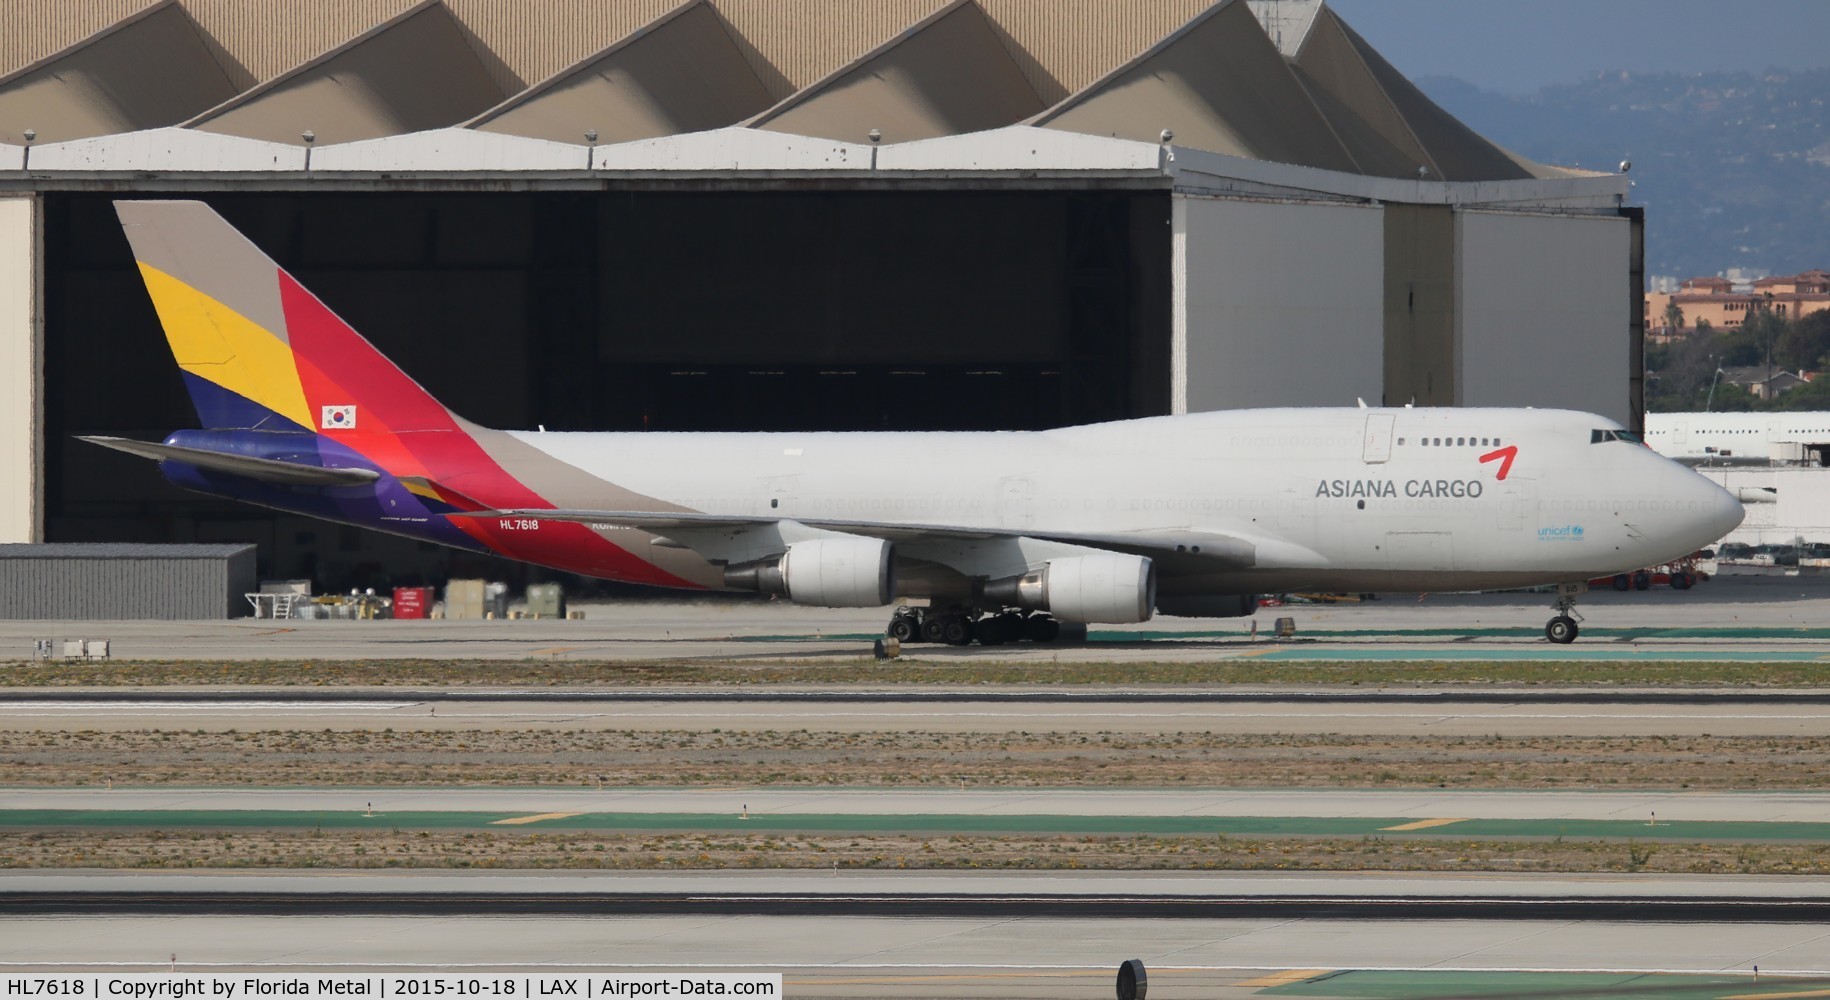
{"x": 160, "y": 849}
{"x": 625, "y": 758}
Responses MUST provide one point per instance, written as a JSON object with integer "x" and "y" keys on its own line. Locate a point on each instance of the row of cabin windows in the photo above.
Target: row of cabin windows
{"x": 1457, "y": 442}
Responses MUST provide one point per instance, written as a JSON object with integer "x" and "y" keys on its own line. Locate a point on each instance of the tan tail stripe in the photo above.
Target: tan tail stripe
{"x": 536, "y": 818}
{"x": 1422, "y": 824}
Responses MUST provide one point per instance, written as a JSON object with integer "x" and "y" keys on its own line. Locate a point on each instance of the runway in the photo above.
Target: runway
{"x": 1752, "y": 618}
{"x": 1007, "y": 935}
{"x": 927, "y": 934}
{"x": 1133, "y": 712}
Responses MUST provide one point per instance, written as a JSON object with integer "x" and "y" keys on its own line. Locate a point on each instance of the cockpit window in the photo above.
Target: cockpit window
{"x": 1606, "y": 434}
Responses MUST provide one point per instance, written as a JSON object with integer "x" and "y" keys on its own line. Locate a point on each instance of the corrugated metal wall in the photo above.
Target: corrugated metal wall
{"x": 62, "y": 588}
{"x": 1061, "y": 45}
{"x": 1555, "y": 339}
{"x": 1281, "y": 303}
{"x": 21, "y": 369}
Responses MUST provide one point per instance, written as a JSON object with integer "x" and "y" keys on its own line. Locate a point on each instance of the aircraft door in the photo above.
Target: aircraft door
{"x": 1378, "y": 446}
{"x": 781, "y": 492}
{"x": 1016, "y": 502}
{"x": 1420, "y": 551}
{"x": 1518, "y": 507}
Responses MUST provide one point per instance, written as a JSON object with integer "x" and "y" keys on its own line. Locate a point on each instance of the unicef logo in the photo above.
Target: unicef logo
{"x": 1576, "y": 529}
{"x": 1561, "y": 533}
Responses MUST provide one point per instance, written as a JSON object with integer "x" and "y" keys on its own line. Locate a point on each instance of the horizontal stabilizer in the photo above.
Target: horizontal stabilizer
{"x": 265, "y": 469}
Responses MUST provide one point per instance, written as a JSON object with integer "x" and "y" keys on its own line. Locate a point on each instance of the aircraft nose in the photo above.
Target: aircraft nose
{"x": 1713, "y": 511}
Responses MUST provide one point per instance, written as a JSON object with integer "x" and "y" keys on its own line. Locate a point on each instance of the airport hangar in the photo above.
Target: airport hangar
{"x": 776, "y": 215}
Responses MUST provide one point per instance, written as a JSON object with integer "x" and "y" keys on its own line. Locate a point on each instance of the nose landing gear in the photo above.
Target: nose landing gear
{"x": 1563, "y": 628}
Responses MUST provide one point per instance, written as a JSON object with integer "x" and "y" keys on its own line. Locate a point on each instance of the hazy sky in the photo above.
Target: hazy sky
{"x": 1517, "y": 46}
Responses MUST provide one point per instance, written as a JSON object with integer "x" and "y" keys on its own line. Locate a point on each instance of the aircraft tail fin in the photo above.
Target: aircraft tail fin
{"x": 258, "y": 350}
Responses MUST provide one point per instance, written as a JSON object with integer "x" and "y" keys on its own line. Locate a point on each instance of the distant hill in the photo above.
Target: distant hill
{"x": 1732, "y": 168}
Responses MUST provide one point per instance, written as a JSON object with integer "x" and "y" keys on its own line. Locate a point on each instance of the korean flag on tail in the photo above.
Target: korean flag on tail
{"x": 339, "y": 418}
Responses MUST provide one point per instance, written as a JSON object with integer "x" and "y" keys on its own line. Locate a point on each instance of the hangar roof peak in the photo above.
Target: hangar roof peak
{"x": 149, "y": 69}
{"x": 1218, "y": 84}
{"x": 1283, "y": 81}
{"x": 1287, "y": 22}
{"x": 412, "y": 72}
{"x": 947, "y": 74}
{"x": 682, "y": 72}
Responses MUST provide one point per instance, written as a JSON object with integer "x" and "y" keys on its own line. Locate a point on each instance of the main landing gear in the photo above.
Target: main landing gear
{"x": 957, "y": 626}
{"x": 1563, "y": 628}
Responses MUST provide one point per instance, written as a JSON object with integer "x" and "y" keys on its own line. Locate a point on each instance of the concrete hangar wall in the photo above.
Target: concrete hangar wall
{"x": 726, "y": 246}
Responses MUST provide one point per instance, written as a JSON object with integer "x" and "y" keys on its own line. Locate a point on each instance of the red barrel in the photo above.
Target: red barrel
{"x": 412, "y": 602}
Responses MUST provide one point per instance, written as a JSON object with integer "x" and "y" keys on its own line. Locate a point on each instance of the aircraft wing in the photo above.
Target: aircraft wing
{"x": 266, "y": 469}
{"x": 1210, "y": 547}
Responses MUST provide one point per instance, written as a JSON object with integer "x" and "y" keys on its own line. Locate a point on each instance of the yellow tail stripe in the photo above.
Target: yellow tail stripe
{"x": 1284, "y": 978}
{"x": 214, "y": 342}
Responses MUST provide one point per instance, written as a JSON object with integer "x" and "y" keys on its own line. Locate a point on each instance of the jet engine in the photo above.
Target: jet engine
{"x": 1108, "y": 587}
{"x": 825, "y": 572}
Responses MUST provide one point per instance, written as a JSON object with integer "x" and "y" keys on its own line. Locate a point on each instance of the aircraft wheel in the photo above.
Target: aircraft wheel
{"x": 1623, "y": 582}
{"x": 903, "y": 628}
{"x": 1041, "y": 628}
{"x": 1642, "y": 580}
{"x": 1682, "y": 581}
{"x": 956, "y": 631}
{"x": 996, "y": 630}
{"x": 1561, "y": 629}
{"x": 934, "y": 628}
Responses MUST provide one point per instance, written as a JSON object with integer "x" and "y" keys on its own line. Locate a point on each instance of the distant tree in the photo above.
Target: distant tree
{"x": 1750, "y": 344}
{"x": 1674, "y": 317}
{"x": 1683, "y": 369}
{"x": 1813, "y": 395}
{"x": 1763, "y": 329}
{"x": 1806, "y": 343}
{"x": 1733, "y": 399}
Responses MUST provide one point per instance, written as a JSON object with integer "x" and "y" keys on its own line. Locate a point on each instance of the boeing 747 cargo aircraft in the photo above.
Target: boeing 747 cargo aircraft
{"x": 1183, "y": 515}
{"x": 1797, "y": 436}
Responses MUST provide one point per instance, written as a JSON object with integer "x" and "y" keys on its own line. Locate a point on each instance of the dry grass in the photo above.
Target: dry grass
{"x": 777, "y": 758}
{"x": 454, "y": 850}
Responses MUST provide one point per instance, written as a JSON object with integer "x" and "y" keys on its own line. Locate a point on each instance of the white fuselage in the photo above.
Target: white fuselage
{"x": 1739, "y": 438}
{"x": 1347, "y": 499}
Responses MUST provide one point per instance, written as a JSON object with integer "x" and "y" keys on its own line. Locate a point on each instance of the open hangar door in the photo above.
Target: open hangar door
{"x": 624, "y": 310}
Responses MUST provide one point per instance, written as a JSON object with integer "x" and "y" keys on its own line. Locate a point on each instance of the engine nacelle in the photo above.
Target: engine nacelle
{"x": 1208, "y": 605}
{"x": 826, "y": 572}
{"x": 1109, "y": 587}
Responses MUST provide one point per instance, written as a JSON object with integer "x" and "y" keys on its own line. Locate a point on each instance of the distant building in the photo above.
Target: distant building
{"x": 1763, "y": 382}
{"x": 1725, "y": 303}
